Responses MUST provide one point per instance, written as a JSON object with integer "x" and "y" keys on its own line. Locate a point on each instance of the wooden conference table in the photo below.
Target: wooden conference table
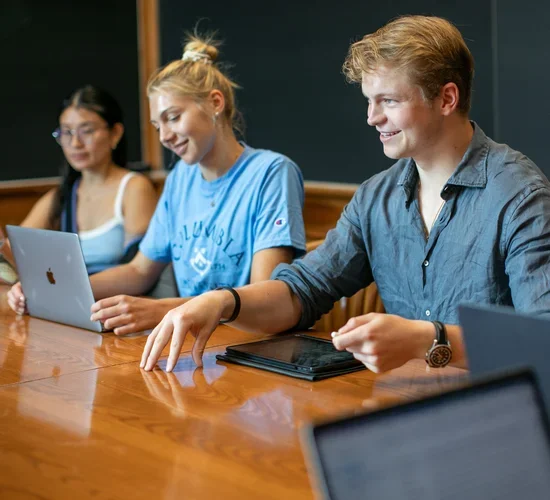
{"x": 79, "y": 419}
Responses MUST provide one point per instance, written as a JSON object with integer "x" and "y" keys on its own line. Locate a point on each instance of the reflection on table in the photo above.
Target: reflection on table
{"x": 79, "y": 419}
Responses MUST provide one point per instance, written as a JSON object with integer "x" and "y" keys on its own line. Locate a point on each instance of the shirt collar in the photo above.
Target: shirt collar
{"x": 409, "y": 180}
{"x": 470, "y": 172}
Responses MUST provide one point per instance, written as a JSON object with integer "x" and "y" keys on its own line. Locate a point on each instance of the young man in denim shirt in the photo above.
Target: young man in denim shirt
{"x": 458, "y": 218}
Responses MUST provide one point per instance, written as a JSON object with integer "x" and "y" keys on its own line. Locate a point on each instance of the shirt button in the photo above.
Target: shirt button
{"x": 428, "y": 312}
{"x": 426, "y": 263}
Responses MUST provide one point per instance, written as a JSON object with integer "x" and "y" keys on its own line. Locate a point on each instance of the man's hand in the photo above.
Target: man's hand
{"x": 200, "y": 317}
{"x": 384, "y": 341}
{"x": 124, "y": 314}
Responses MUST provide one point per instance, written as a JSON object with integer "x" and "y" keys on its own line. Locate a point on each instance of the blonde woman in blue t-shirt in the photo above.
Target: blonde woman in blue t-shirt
{"x": 228, "y": 215}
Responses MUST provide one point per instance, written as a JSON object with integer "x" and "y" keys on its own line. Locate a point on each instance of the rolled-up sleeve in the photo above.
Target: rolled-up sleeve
{"x": 527, "y": 251}
{"x": 338, "y": 268}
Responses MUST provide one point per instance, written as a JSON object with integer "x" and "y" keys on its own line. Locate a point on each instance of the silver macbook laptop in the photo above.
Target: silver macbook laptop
{"x": 53, "y": 275}
{"x": 489, "y": 440}
{"x": 498, "y": 338}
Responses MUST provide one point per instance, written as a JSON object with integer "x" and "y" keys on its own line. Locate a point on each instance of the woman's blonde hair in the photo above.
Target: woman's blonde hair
{"x": 196, "y": 74}
{"x": 430, "y": 49}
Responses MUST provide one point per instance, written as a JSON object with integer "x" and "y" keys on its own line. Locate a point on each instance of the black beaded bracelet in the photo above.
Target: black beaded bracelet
{"x": 237, "y": 309}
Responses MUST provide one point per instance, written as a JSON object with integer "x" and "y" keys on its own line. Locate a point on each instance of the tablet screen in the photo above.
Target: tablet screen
{"x": 297, "y": 350}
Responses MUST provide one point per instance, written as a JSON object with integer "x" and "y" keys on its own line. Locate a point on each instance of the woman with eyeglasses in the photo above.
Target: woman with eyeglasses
{"x": 106, "y": 204}
{"x": 228, "y": 214}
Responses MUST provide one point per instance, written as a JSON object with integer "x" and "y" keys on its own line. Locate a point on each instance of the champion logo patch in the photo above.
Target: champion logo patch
{"x": 280, "y": 222}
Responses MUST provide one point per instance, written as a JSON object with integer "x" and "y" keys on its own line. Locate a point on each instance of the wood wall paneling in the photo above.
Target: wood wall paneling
{"x": 324, "y": 201}
{"x": 148, "y": 49}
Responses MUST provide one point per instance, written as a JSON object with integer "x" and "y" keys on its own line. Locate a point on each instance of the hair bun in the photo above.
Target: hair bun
{"x": 197, "y": 49}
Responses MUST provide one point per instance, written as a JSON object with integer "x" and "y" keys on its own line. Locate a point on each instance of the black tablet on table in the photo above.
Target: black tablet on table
{"x": 301, "y": 356}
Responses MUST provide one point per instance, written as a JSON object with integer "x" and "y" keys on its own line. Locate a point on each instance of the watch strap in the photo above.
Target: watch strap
{"x": 440, "y": 333}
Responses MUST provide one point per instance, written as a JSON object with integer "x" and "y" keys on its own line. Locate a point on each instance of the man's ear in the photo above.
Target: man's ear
{"x": 450, "y": 97}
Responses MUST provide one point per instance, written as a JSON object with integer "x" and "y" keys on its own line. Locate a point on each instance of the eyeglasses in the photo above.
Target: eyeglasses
{"x": 85, "y": 134}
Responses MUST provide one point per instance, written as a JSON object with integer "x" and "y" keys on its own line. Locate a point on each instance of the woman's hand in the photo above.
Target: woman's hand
{"x": 124, "y": 314}
{"x": 16, "y": 299}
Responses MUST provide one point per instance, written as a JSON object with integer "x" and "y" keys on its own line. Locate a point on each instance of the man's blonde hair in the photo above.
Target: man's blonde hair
{"x": 430, "y": 49}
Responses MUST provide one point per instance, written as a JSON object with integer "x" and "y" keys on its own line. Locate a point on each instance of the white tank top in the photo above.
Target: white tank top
{"x": 104, "y": 246}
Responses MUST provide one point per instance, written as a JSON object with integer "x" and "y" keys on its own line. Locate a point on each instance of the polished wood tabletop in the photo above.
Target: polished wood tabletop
{"x": 80, "y": 419}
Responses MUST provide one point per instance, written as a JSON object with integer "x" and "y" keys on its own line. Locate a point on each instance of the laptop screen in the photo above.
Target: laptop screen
{"x": 53, "y": 275}
{"x": 485, "y": 442}
{"x": 497, "y": 338}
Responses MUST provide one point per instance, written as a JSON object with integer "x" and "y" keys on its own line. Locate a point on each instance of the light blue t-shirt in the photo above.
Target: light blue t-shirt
{"x": 210, "y": 231}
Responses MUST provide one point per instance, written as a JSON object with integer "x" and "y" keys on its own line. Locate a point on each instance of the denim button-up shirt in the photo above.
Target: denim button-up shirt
{"x": 489, "y": 245}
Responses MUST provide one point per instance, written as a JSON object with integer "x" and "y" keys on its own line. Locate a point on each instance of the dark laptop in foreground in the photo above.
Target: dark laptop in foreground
{"x": 53, "y": 275}
{"x": 485, "y": 441}
{"x": 498, "y": 338}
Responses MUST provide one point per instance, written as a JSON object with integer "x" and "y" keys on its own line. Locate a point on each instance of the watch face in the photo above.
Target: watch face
{"x": 440, "y": 356}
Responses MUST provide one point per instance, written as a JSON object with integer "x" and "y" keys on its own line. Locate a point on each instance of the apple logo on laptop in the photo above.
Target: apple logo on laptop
{"x": 50, "y": 277}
